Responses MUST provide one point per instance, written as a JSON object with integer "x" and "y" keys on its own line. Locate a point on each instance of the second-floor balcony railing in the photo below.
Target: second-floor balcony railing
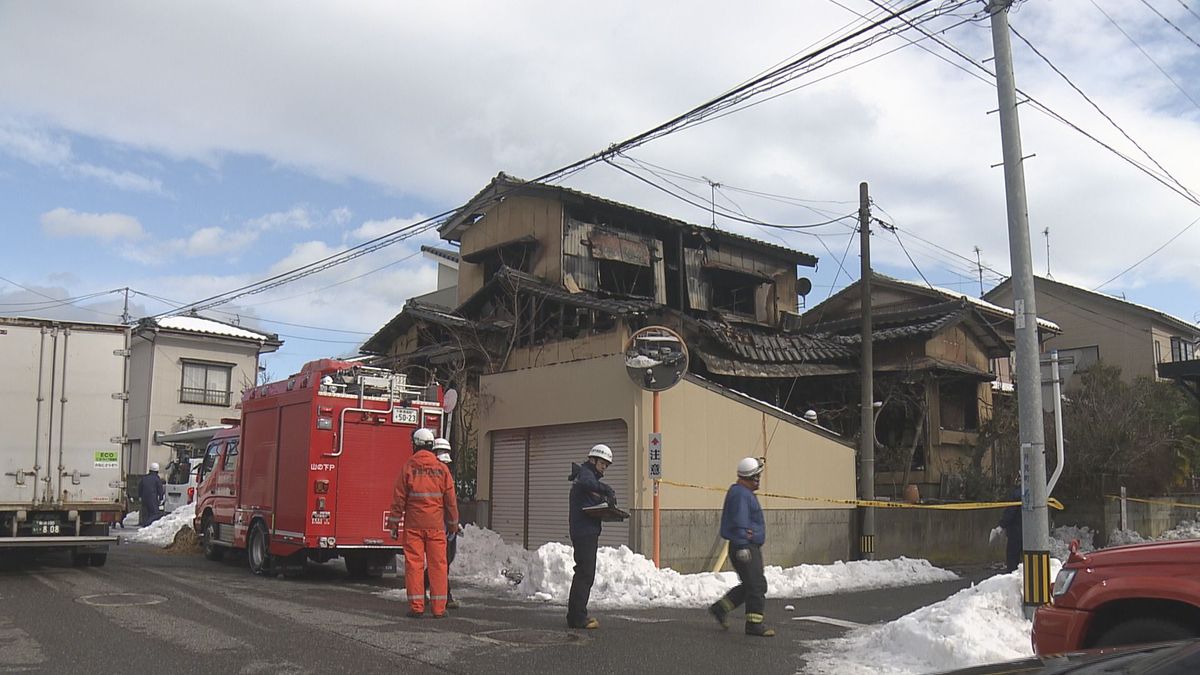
{"x": 203, "y": 396}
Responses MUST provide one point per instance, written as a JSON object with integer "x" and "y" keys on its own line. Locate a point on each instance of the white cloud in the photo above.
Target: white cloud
{"x": 41, "y": 148}
{"x": 62, "y": 222}
{"x": 122, "y": 180}
{"x": 372, "y": 229}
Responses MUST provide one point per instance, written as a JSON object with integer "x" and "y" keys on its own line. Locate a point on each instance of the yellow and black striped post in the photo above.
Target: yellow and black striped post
{"x": 866, "y": 546}
{"x": 1038, "y": 584}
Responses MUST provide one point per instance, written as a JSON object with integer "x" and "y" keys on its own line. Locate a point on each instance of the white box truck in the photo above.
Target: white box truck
{"x": 62, "y": 402}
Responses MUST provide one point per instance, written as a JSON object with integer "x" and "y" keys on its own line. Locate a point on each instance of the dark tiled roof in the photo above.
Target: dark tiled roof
{"x": 503, "y": 184}
{"x": 769, "y": 346}
{"x": 917, "y": 322}
{"x": 444, "y": 253}
{"x": 413, "y": 311}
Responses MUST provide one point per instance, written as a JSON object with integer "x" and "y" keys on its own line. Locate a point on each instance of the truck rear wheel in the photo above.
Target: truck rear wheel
{"x": 1142, "y": 630}
{"x": 258, "y": 552}
{"x": 357, "y": 564}
{"x": 208, "y": 540}
{"x": 79, "y": 558}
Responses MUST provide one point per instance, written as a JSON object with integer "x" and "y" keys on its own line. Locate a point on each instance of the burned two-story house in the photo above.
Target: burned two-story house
{"x": 939, "y": 355}
{"x": 551, "y": 284}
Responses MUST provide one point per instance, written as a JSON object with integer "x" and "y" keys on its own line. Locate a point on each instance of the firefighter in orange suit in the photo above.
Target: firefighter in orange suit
{"x": 425, "y": 502}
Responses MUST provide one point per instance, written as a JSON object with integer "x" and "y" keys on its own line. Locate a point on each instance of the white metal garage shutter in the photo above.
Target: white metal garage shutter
{"x": 551, "y": 451}
{"x": 508, "y": 485}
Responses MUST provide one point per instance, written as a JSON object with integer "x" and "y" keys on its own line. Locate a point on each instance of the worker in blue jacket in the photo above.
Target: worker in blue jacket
{"x": 742, "y": 524}
{"x": 586, "y": 490}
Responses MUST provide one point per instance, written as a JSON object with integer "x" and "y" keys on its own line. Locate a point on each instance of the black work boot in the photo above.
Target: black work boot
{"x": 720, "y": 611}
{"x": 756, "y": 627}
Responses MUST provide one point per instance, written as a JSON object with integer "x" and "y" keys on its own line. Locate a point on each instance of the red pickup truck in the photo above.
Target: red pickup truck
{"x": 1122, "y": 596}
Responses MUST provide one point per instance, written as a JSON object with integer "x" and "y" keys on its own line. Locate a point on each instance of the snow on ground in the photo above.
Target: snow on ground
{"x": 1061, "y": 538}
{"x": 131, "y": 519}
{"x": 162, "y": 531}
{"x": 981, "y": 624}
{"x": 1187, "y": 529}
{"x": 628, "y": 579}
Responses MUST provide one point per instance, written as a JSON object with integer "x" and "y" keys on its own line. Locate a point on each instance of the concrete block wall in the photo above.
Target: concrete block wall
{"x": 690, "y": 539}
{"x": 942, "y": 537}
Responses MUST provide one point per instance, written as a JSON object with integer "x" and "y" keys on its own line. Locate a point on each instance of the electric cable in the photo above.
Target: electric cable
{"x": 1148, "y": 255}
{"x": 1098, "y": 109}
{"x": 1146, "y": 54}
{"x": 1170, "y": 23}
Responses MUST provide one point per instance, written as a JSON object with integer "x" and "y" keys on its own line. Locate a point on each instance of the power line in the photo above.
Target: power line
{"x": 756, "y": 86}
{"x": 1171, "y": 23}
{"x": 1189, "y": 9}
{"x": 1098, "y": 109}
{"x": 892, "y": 228}
{"x": 1148, "y": 255}
{"x": 255, "y": 318}
{"x": 1146, "y": 54}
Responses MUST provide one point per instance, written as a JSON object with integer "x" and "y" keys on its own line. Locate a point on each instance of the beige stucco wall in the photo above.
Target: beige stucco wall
{"x": 1123, "y": 337}
{"x": 156, "y": 375}
{"x": 704, "y": 434}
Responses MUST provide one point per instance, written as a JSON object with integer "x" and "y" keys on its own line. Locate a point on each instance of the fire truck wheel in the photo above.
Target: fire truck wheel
{"x": 208, "y": 540}
{"x": 258, "y": 553}
{"x": 357, "y": 564}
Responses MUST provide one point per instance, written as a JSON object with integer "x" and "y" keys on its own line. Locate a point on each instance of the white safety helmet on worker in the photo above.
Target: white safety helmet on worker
{"x": 154, "y": 466}
{"x": 601, "y": 451}
{"x": 441, "y": 445}
{"x": 422, "y": 439}
{"x": 750, "y": 467}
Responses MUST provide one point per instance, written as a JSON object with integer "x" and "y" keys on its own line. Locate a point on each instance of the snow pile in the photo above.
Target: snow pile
{"x": 162, "y": 531}
{"x": 1125, "y": 537}
{"x": 131, "y": 519}
{"x": 977, "y": 625}
{"x": 628, "y": 579}
{"x": 1061, "y": 538}
{"x": 1187, "y": 529}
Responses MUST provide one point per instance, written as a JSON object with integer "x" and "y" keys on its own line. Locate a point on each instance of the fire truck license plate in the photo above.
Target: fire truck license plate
{"x": 405, "y": 415}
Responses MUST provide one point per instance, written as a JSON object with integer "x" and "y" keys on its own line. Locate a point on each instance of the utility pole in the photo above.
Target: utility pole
{"x": 979, "y": 266}
{"x": 1035, "y": 522}
{"x": 866, "y": 452}
{"x": 1046, "y": 233}
{"x": 125, "y": 312}
{"x": 712, "y": 186}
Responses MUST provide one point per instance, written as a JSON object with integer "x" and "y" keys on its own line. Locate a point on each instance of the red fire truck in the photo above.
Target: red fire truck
{"x": 308, "y": 474}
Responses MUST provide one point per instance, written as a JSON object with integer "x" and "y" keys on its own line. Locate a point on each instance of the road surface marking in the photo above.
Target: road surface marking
{"x": 841, "y": 623}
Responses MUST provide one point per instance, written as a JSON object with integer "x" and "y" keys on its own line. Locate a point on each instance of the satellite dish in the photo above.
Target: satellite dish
{"x": 449, "y": 400}
{"x": 803, "y": 286}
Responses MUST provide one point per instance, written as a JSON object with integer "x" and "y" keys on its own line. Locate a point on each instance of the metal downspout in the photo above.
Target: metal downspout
{"x": 62, "y": 415}
{"x": 37, "y": 425}
{"x": 50, "y": 422}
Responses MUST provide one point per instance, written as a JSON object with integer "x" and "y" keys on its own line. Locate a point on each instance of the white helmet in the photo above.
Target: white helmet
{"x": 602, "y": 451}
{"x": 154, "y": 466}
{"x": 750, "y": 467}
{"x": 441, "y": 445}
{"x": 422, "y": 439}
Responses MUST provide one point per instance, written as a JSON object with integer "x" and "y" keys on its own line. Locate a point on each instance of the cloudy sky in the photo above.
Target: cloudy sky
{"x": 184, "y": 149}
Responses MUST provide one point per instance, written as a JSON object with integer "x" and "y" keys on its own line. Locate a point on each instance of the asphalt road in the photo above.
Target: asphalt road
{"x": 161, "y": 614}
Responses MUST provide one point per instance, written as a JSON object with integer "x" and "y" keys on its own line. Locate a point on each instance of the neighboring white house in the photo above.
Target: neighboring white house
{"x": 186, "y": 365}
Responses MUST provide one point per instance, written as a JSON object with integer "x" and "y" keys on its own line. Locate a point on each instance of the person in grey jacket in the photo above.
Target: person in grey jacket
{"x": 742, "y": 524}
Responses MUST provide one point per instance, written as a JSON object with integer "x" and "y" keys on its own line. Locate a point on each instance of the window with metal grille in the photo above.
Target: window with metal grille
{"x": 205, "y": 383}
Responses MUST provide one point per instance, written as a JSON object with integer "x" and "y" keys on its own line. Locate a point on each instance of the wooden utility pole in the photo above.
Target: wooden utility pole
{"x": 866, "y": 452}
